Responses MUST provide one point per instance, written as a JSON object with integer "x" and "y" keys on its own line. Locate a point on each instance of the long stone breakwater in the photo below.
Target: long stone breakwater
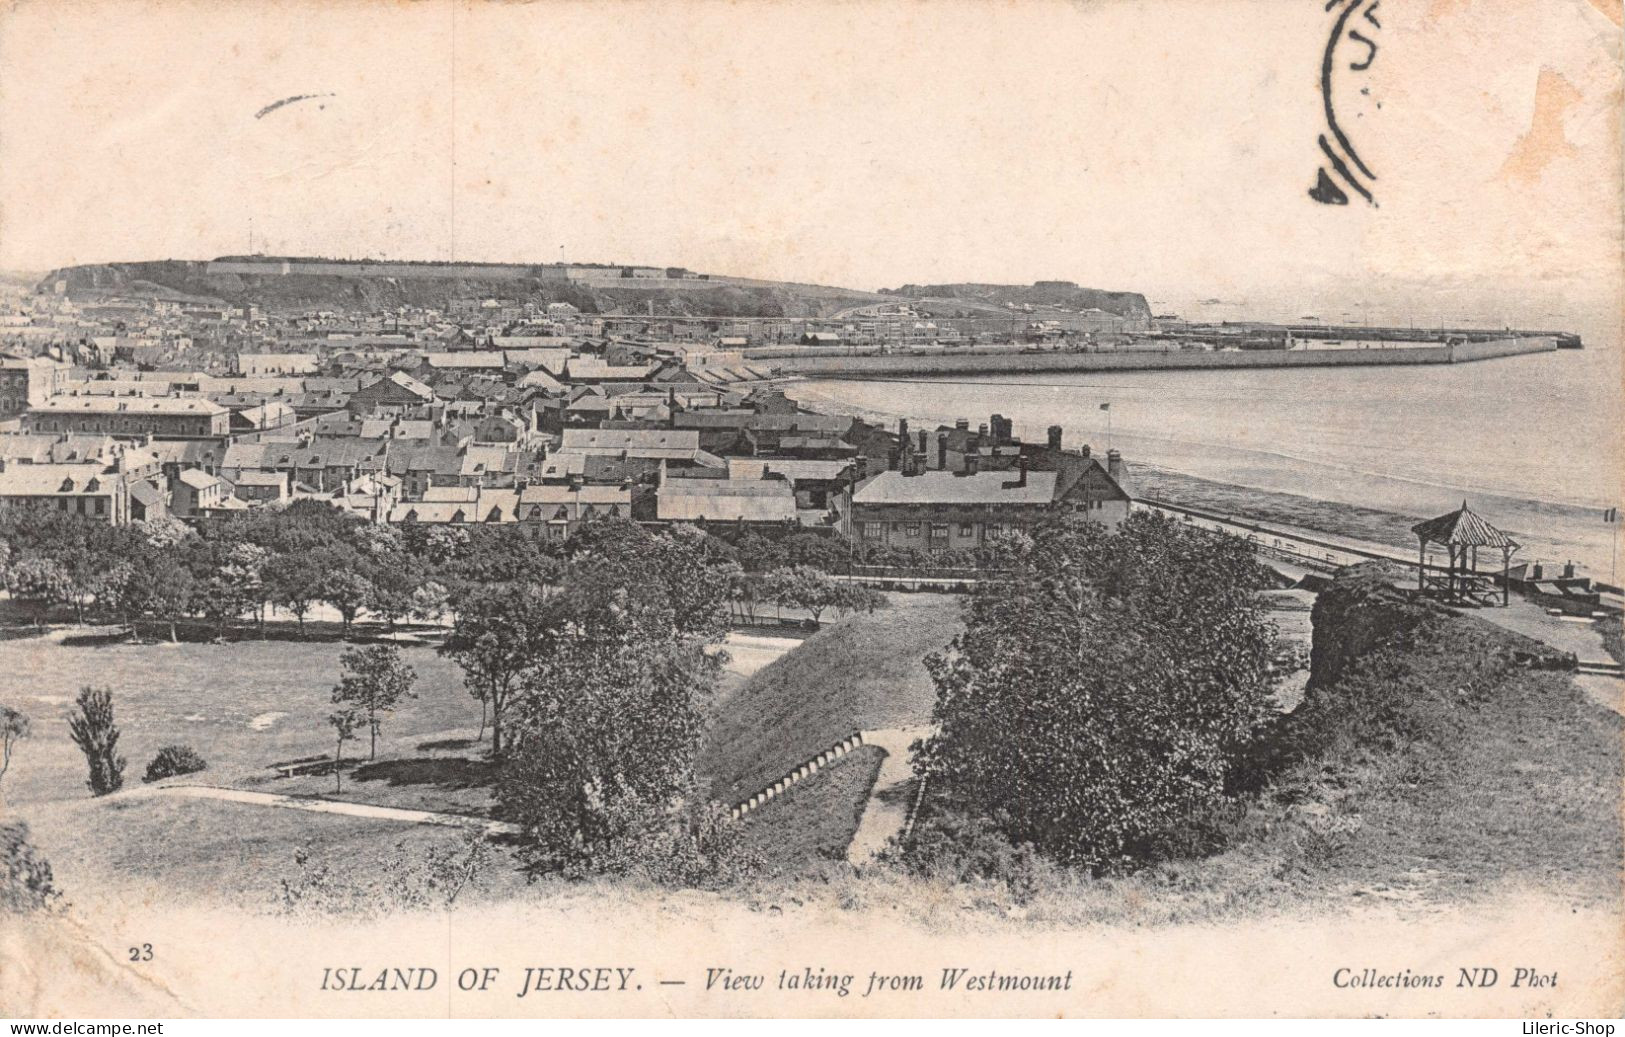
{"x": 850, "y": 363}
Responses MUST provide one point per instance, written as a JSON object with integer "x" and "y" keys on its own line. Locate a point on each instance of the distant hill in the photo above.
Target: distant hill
{"x": 1058, "y": 294}
{"x": 425, "y": 286}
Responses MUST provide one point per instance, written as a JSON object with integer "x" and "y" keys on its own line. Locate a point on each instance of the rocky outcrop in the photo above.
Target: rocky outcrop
{"x": 1045, "y": 293}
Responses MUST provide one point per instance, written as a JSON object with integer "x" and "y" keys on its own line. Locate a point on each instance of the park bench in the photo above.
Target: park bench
{"x": 293, "y": 767}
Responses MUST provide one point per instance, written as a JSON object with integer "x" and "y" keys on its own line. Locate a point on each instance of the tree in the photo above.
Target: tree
{"x": 343, "y": 585}
{"x": 1098, "y": 700}
{"x": 758, "y": 554}
{"x": 225, "y": 579}
{"x": 430, "y": 601}
{"x": 373, "y": 680}
{"x": 805, "y": 587}
{"x": 816, "y": 550}
{"x": 94, "y": 731}
{"x": 344, "y": 721}
{"x": 813, "y": 590}
{"x": 245, "y": 569}
{"x": 293, "y": 582}
{"x": 13, "y": 729}
{"x": 599, "y": 771}
{"x": 164, "y": 534}
{"x": 604, "y": 738}
{"x": 169, "y": 593}
{"x": 852, "y": 598}
{"x": 40, "y": 583}
{"x": 499, "y": 636}
{"x": 392, "y": 582}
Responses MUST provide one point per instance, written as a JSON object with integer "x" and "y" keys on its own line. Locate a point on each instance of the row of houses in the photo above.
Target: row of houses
{"x": 538, "y": 434}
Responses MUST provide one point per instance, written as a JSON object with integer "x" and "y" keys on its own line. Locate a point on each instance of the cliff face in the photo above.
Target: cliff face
{"x": 1044, "y": 293}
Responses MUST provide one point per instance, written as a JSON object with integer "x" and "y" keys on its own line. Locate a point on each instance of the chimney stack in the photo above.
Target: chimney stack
{"x": 1084, "y": 450}
{"x": 894, "y": 459}
{"x": 1114, "y": 464}
{"x": 981, "y": 431}
{"x": 962, "y": 424}
{"x": 925, "y": 442}
{"x": 973, "y": 464}
{"x": 1021, "y": 470}
{"x": 1055, "y": 437}
{"x": 942, "y": 451}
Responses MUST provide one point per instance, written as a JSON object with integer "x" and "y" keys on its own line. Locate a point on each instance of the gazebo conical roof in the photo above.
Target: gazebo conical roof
{"x": 1463, "y": 527}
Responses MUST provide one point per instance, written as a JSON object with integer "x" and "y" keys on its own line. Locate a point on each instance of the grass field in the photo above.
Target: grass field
{"x": 861, "y": 673}
{"x": 242, "y": 706}
{"x": 245, "y": 705}
{"x": 197, "y": 850}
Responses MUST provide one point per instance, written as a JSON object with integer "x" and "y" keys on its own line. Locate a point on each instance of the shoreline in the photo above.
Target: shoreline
{"x": 1301, "y": 512}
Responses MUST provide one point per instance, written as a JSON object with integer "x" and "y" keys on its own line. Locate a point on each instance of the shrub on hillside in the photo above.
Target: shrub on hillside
{"x": 25, "y": 876}
{"x": 173, "y": 760}
{"x": 94, "y": 732}
{"x": 1099, "y": 702}
{"x": 957, "y": 848}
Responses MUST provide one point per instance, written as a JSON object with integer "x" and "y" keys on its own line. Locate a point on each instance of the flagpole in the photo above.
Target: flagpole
{"x": 1611, "y": 516}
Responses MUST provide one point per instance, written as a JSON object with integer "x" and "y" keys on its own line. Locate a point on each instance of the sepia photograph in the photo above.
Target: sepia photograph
{"x": 825, "y": 509}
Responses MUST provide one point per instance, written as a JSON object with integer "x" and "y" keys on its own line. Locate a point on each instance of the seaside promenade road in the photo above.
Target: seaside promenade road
{"x": 323, "y": 806}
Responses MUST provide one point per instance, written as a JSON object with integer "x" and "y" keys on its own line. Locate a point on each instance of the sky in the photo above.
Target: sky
{"x": 1165, "y": 147}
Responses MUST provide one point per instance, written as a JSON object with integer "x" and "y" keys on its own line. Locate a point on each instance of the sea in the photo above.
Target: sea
{"x": 1532, "y": 442}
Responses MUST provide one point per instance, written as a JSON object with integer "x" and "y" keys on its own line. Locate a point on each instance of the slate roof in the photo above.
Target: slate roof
{"x": 725, "y": 500}
{"x": 938, "y": 487}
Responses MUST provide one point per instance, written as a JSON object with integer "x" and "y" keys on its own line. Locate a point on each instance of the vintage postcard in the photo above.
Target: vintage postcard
{"x": 835, "y": 508}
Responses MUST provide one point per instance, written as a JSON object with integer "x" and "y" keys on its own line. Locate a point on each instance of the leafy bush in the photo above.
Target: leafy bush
{"x": 25, "y": 876}
{"x": 963, "y": 849}
{"x": 1099, "y": 701}
{"x": 173, "y": 760}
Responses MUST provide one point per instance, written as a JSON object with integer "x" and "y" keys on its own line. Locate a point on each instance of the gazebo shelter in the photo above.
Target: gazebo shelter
{"x": 1462, "y": 533}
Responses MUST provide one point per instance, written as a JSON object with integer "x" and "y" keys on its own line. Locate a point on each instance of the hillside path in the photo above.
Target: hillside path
{"x": 326, "y": 806}
{"x": 887, "y": 810}
{"x": 1566, "y": 635}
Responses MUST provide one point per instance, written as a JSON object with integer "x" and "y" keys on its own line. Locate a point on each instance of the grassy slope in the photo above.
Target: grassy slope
{"x": 1435, "y": 773}
{"x": 816, "y": 819}
{"x": 1613, "y": 637}
{"x": 1438, "y": 765}
{"x": 861, "y": 673}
